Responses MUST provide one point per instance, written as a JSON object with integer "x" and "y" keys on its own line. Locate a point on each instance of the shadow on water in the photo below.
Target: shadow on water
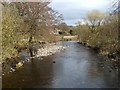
{"x": 75, "y": 67}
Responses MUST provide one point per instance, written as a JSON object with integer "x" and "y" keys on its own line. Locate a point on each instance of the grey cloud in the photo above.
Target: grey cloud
{"x": 72, "y": 12}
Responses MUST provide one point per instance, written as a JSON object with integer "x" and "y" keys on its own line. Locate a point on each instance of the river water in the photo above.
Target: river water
{"x": 75, "y": 67}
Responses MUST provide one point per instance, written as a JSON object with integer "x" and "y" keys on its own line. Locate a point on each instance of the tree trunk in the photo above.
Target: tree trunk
{"x": 30, "y": 50}
{"x": 30, "y": 47}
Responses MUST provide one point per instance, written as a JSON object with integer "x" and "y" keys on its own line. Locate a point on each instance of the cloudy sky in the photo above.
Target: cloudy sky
{"x": 74, "y": 10}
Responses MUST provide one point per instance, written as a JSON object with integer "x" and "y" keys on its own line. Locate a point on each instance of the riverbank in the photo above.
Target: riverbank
{"x": 49, "y": 49}
{"x": 113, "y": 60}
{"x": 13, "y": 63}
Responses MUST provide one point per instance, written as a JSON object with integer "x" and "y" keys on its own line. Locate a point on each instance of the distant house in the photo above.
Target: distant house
{"x": 56, "y": 31}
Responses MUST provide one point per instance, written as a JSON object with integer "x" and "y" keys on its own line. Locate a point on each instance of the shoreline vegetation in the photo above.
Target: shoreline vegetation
{"x": 111, "y": 59}
{"x": 23, "y": 25}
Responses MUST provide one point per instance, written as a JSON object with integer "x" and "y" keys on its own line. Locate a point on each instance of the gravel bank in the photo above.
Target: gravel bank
{"x": 49, "y": 49}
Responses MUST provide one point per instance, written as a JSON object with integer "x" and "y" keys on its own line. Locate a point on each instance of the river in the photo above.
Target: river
{"x": 75, "y": 67}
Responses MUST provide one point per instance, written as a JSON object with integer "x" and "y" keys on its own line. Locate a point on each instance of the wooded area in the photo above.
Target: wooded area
{"x": 101, "y": 31}
{"x": 25, "y": 23}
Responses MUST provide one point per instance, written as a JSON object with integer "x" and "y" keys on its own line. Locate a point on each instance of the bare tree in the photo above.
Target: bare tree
{"x": 38, "y": 16}
{"x": 94, "y": 19}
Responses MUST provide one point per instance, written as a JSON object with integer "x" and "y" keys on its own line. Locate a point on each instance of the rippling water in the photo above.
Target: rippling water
{"x": 75, "y": 67}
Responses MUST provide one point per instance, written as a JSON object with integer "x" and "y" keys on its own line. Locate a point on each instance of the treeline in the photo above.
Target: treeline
{"x": 25, "y": 23}
{"x": 101, "y": 32}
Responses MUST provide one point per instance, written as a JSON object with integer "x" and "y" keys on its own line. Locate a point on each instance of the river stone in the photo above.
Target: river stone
{"x": 54, "y": 62}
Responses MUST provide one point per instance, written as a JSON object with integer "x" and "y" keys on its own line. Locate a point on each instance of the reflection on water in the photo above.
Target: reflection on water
{"x": 75, "y": 67}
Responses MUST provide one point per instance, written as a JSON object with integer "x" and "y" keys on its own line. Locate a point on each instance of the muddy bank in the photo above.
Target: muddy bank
{"x": 39, "y": 51}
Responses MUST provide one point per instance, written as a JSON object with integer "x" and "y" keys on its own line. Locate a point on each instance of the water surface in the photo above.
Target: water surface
{"x": 75, "y": 67}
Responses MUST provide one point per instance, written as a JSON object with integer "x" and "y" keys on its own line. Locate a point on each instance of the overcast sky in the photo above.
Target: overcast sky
{"x": 74, "y": 10}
